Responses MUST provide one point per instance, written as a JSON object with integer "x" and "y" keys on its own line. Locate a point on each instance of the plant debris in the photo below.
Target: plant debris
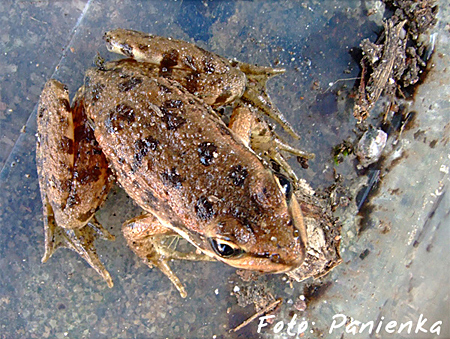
{"x": 324, "y": 236}
{"x": 397, "y": 59}
{"x": 265, "y": 310}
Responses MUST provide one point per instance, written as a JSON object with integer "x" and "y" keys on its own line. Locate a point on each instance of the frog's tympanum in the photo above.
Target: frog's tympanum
{"x": 151, "y": 122}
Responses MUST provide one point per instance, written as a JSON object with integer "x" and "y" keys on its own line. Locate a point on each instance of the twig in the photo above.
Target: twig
{"x": 40, "y": 21}
{"x": 257, "y": 314}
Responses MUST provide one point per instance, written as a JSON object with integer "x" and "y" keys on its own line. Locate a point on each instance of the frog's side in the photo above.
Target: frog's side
{"x": 172, "y": 154}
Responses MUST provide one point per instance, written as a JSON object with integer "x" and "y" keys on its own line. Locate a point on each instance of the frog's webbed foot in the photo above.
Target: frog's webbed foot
{"x": 151, "y": 242}
{"x": 258, "y": 135}
{"x": 255, "y": 92}
{"x": 80, "y": 240}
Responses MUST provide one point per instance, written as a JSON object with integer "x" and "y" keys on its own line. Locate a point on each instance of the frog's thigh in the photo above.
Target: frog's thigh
{"x": 73, "y": 171}
{"x": 146, "y": 237}
{"x": 73, "y": 176}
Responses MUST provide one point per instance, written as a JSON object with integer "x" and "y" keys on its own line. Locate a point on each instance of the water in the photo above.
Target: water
{"x": 395, "y": 268}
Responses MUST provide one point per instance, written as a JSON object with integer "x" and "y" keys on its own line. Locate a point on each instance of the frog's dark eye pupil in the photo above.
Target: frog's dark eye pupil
{"x": 286, "y": 186}
{"x": 224, "y": 250}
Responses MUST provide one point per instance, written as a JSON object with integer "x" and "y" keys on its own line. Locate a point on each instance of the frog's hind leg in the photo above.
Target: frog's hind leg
{"x": 258, "y": 136}
{"x": 80, "y": 240}
{"x": 255, "y": 92}
{"x": 73, "y": 176}
{"x": 148, "y": 239}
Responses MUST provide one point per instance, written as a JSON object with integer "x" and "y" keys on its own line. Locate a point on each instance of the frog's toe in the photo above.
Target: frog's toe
{"x": 271, "y": 147}
{"x": 256, "y": 93}
{"x": 79, "y": 240}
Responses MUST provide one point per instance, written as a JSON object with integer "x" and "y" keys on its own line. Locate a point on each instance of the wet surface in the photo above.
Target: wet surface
{"x": 394, "y": 251}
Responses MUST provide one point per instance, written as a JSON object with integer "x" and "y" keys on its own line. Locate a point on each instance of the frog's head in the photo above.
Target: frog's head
{"x": 263, "y": 230}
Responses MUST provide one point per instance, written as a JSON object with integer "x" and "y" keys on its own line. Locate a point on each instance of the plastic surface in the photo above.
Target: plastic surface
{"x": 396, "y": 268}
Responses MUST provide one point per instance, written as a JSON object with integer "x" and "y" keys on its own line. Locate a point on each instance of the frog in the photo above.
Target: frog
{"x": 152, "y": 124}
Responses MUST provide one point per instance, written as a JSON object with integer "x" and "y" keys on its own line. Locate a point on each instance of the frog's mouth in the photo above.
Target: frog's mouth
{"x": 263, "y": 262}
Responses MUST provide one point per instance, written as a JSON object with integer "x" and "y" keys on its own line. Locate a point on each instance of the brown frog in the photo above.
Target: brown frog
{"x": 149, "y": 122}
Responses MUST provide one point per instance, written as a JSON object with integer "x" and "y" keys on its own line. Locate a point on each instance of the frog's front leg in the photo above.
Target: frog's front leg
{"x": 258, "y": 136}
{"x": 148, "y": 239}
{"x": 73, "y": 176}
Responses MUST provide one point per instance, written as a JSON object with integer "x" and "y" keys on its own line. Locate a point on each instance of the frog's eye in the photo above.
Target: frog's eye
{"x": 285, "y": 185}
{"x": 224, "y": 249}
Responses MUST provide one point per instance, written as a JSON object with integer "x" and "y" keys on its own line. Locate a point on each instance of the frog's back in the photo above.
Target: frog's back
{"x": 161, "y": 138}
{"x": 177, "y": 159}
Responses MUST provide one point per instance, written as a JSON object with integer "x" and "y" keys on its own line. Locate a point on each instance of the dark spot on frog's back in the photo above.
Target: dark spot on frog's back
{"x": 119, "y": 116}
{"x": 173, "y": 114}
{"x": 73, "y": 200}
{"x": 129, "y": 84}
{"x": 204, "y": 209}
{"x": 63, "y": 185}
{"x": 143, "y": 146}
{"x": 238, "y": 175}
{"x": 192, "y": 82}
{"x": 172, "y": 177}
{"x": 173, "y": 104}
{"x": 143, "y": 47}
{"x": 208, "y": 66}
{"x": 207, "y": 153}
{"x": 242, "y": 214}
{"x": 136, "y": 184}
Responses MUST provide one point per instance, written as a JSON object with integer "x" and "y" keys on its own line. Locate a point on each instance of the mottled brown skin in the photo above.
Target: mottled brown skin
{"x": 79, "y": 169}
{"x": 73, "y": 175}
{"x": 177, "y": 159}
{"x": 207, "y": 75}
{"x": 210, "y": 77}
{"x": 173, "y": 155}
